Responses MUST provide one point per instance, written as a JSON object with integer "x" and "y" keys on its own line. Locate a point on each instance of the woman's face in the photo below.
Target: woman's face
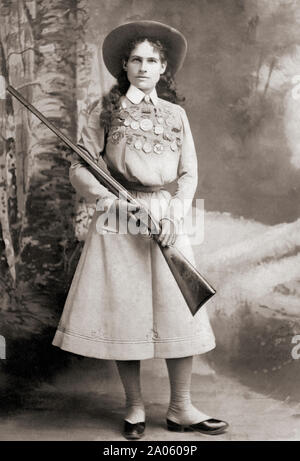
{"x": 144, "y": 67}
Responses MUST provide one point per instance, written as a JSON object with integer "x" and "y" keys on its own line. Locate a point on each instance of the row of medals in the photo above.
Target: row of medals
{"x": 146, "y": 124}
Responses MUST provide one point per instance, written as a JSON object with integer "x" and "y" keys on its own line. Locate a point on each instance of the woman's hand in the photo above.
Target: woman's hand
{"x": 123, "y": 207}
{"x": 134, "y": 215}
{"x": 168, "y": 232}
{"x": 124, "y": 210}
{"x": 134, "y": 218}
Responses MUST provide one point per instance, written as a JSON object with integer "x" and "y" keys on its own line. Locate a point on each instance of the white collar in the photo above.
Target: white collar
{"x": 135, "y": 95}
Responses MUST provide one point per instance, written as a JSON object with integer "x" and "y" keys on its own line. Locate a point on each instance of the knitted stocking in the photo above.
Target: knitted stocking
{"x": 181, "y": 410}
{"x": 129, "y": 371}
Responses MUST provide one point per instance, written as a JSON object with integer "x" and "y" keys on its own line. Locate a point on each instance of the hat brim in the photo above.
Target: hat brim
{"x": 116, "y": 42}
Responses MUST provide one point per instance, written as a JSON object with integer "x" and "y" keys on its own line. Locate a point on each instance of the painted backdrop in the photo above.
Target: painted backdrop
{"x": 241, "y": 81}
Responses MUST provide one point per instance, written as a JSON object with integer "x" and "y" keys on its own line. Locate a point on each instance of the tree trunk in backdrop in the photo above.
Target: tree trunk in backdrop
{"x": 38, "y": 57}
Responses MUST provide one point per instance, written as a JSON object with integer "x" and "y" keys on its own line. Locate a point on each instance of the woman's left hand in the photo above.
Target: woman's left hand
{"x": 168, "y": 234}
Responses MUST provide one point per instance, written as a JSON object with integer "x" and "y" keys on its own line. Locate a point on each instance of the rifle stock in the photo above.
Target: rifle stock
{"x": 194, "y": 288}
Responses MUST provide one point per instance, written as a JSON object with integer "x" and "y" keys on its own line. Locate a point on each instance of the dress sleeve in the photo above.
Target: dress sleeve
{"x": 181, "y": 201}
{"x": 93, "y": 139}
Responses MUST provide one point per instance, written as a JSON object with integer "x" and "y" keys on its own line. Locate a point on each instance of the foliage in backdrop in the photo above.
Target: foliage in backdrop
{"x": 241, "y": 82}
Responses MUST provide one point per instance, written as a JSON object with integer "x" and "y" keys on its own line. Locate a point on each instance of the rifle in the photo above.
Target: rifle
{"x": 193, "y": 286}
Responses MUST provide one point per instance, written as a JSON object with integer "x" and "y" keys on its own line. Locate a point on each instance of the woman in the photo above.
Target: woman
{"x": 124, "y": 303}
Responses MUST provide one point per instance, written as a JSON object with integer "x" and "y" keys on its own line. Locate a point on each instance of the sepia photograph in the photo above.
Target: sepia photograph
{"x": 149, "y": 223}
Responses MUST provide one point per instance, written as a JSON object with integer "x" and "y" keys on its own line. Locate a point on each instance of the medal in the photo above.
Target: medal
{"x": 174, "y": 146}
{"x": 116, "y": 137}
{"x": 146, "y": 124}
{"x": 135, "y": 115}
{"x": 147, "y": 147}
{"x": 138, "y": 144}
{"x": 129, "y": 140}
{"x": 168, "y": 136}
{"x": 158, "y": 148}
{"x": 134, "y": 125}
{"x": 158, "y": 129}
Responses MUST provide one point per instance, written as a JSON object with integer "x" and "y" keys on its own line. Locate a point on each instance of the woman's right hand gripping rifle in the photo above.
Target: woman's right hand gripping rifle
{"x": 124, "y": 217}
{"x": 137, "y": 217}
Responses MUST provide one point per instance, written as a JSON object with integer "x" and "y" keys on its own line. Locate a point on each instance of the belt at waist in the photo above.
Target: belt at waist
{"x": 134, "y": 185}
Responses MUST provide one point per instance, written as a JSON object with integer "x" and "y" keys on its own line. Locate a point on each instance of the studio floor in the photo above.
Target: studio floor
{"x": 60, "y": 411}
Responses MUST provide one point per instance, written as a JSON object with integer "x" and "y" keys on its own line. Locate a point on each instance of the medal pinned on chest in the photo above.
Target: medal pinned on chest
{"x": 158, "y": 129}
{"x": 147, "y": 147}
{"x": 150, "y": 135}
{"x": 146, "y": 124}
{"x": 134, "y": 125}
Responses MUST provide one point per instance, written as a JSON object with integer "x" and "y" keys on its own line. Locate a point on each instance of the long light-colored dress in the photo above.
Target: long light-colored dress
{"x": 123, "y": 303}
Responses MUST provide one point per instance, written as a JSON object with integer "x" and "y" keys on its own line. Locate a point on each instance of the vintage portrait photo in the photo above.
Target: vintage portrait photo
{"x": 149, "y": 222}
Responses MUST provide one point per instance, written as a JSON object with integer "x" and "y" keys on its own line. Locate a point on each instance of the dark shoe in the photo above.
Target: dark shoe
{"x": 209, "y": 426}
{"x": 133, "y": 431}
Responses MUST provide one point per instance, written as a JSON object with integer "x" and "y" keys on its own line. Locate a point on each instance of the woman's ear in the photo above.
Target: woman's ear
{"x": 125, "y": 65}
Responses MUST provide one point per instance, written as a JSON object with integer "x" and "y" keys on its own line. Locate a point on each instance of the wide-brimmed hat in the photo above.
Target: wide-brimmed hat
{"x": 116, "y": 42}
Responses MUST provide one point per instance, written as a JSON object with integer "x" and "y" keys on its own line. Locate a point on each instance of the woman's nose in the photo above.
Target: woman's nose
{"x": 143, "y": 66}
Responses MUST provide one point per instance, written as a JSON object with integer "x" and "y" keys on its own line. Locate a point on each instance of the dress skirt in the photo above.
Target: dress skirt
{"x": 123, "y": 302}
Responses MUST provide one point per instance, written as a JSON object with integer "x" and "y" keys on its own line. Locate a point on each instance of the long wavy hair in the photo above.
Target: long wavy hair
{"x": 166, "y": 87}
